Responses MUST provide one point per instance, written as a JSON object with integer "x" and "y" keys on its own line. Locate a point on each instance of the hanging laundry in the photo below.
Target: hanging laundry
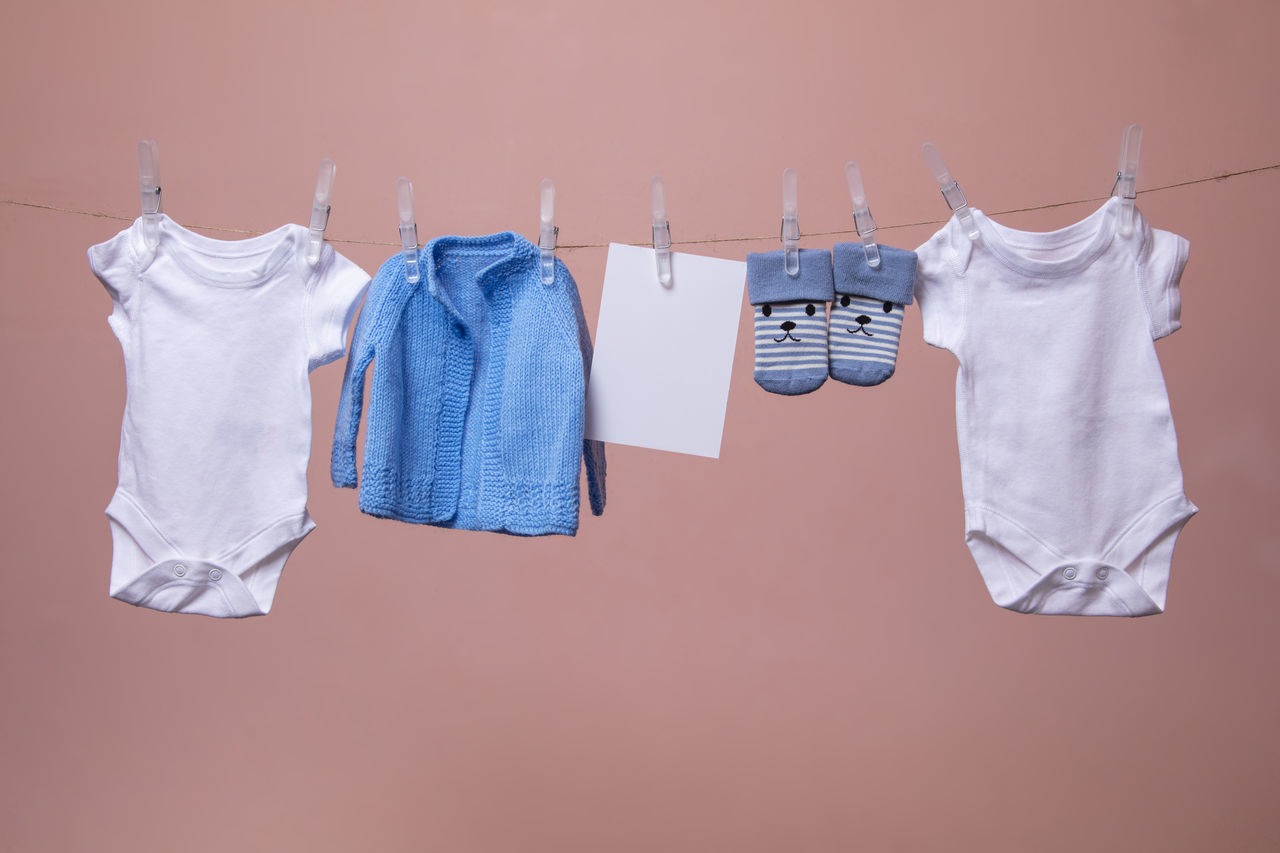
{"x": 477, "y": 397}
{"x": 218, "y": 338}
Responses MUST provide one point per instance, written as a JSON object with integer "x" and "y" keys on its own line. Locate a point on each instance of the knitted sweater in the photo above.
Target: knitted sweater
{"x": 476, "y": 405}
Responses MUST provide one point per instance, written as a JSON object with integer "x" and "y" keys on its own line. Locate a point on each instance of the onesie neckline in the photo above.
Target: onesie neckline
{"x": 1007, "y": 244}
{"x": 198, "y": 255}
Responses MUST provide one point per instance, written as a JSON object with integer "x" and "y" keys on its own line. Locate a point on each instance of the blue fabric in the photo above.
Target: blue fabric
{"x": 767, "y": 279}
{"x": 895, "y": 281}
{"x": 864, "y": 336}
{"x": 791, "y": 346}
{"x": 867, "y": 312}
{"x": 477, "y": 401}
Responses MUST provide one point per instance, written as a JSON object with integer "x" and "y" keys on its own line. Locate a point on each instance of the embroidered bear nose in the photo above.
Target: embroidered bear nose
{"x": 787, "y": 325}
{"x": 862, "y": 319}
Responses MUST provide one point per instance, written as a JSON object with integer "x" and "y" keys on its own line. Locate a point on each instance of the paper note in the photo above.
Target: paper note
{"x": 664, "y": 355}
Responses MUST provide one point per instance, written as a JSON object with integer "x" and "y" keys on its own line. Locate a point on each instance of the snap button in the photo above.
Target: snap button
{"x": 1103, "y": 572}
{"x": 179, "y": 570}
{"x": 1069, "y": 573}
{"x": 215, "y": 575}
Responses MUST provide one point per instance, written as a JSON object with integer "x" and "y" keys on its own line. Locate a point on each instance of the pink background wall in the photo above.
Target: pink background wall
{"x": 747, "y": 654}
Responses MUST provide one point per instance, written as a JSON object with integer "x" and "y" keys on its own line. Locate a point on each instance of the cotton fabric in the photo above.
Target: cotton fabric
{"x": 1069, "y": 460}
{"x": 218, "y": 338}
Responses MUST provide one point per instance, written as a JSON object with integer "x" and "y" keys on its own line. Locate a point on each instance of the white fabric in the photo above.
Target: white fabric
{"x": 218, "y": 338}
{"x": 1069, "y": 461}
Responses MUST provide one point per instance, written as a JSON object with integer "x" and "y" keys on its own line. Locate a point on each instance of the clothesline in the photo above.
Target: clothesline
{"x": 710, "y": 240}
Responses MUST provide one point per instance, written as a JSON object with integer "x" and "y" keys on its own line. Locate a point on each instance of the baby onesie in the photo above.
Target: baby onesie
{"x": 1068, "y": 458}
{"x": 218, "y": 338}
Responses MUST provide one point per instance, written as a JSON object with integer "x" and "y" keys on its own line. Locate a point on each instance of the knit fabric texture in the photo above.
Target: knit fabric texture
{"x": 894, "y": 281}
{"x": 476, "y": 406}
{"x": 767, "y": 279}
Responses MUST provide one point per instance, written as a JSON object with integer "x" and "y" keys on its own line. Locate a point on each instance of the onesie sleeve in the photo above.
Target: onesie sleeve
{"x": 1163, "y": 260}
{"x": 940, "y": 289}
{"x": 334, "y": 294}
{"x": 115, "y": 264}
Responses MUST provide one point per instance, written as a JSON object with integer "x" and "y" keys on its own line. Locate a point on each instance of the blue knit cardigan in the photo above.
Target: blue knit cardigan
{"x": 476, "y": 406}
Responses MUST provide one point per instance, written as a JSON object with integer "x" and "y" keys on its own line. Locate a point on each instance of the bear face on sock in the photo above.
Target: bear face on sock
{"x": 791, "y": 342}
{"x": 790, "y": 320}
{"x": 861, "y": 315}
{"x": 864, "y": 335}
{"x": 867, "y": 312}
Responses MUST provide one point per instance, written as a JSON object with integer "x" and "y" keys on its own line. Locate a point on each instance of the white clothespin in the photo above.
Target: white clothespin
{"x": 408, "y": 230}
{"x": 790, "y": 234}
{"x": 547, "y": 231}
{"x": 149, "y": 181}
{"x": 950, "y": 190}
{"x": 661, "y": 229}
{"x": 862, "y": 218}
{"x": 320, "y": 210}
{"x": 1126, "y": 185}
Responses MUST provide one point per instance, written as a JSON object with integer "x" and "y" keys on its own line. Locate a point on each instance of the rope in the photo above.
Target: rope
{"x": 1222, "y": 176}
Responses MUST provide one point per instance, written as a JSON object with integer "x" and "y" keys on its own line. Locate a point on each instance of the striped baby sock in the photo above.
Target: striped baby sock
{"x": 867, "y": 312}
{"x": 791, "y": 320}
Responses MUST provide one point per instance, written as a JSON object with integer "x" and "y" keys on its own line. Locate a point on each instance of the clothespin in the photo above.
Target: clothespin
{"x": 408, "y": 230}
{"x": 149, "y": 182}
{"x": 547, "y": 231}
{"x": 950, "y": 190}
{"x": 862, "y": 218}
{"x": 1126, "y": 185}
{"x": 790, "y": 233}
{"x": 661, "y": 230}
{"x": 320, "y": 210}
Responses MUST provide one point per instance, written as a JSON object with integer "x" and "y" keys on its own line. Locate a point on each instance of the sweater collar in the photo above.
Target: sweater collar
{"x": 513, "y": 256}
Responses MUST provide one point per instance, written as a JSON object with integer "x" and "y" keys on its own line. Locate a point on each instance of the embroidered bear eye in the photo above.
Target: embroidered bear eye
{"x": 766, "y": 310}
{"x": 809, "y": 309}
{"x": 844, "y": 301}
{"x": 888, "y": 306}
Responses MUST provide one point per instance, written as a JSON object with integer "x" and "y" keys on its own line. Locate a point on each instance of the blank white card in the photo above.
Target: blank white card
{"x": 664, "y": 355}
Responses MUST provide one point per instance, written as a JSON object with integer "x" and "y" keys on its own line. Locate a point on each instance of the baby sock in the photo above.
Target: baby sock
{"x": 867, "y": 312}
{"x": 791, "y": 320}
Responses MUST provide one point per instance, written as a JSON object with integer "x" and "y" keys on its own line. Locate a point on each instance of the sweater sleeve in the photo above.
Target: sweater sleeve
{"x": 592, "y": 450}
{"x": 342, "y": 463}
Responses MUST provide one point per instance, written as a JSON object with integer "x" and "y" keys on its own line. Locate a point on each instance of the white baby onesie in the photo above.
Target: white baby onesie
{"x": 218, "y": 338}
{"x": 1068, "y": 458}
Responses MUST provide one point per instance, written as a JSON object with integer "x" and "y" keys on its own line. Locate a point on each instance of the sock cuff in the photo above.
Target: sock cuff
{"x": 895, "y": 281}
{"x": 767, "y": 279}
